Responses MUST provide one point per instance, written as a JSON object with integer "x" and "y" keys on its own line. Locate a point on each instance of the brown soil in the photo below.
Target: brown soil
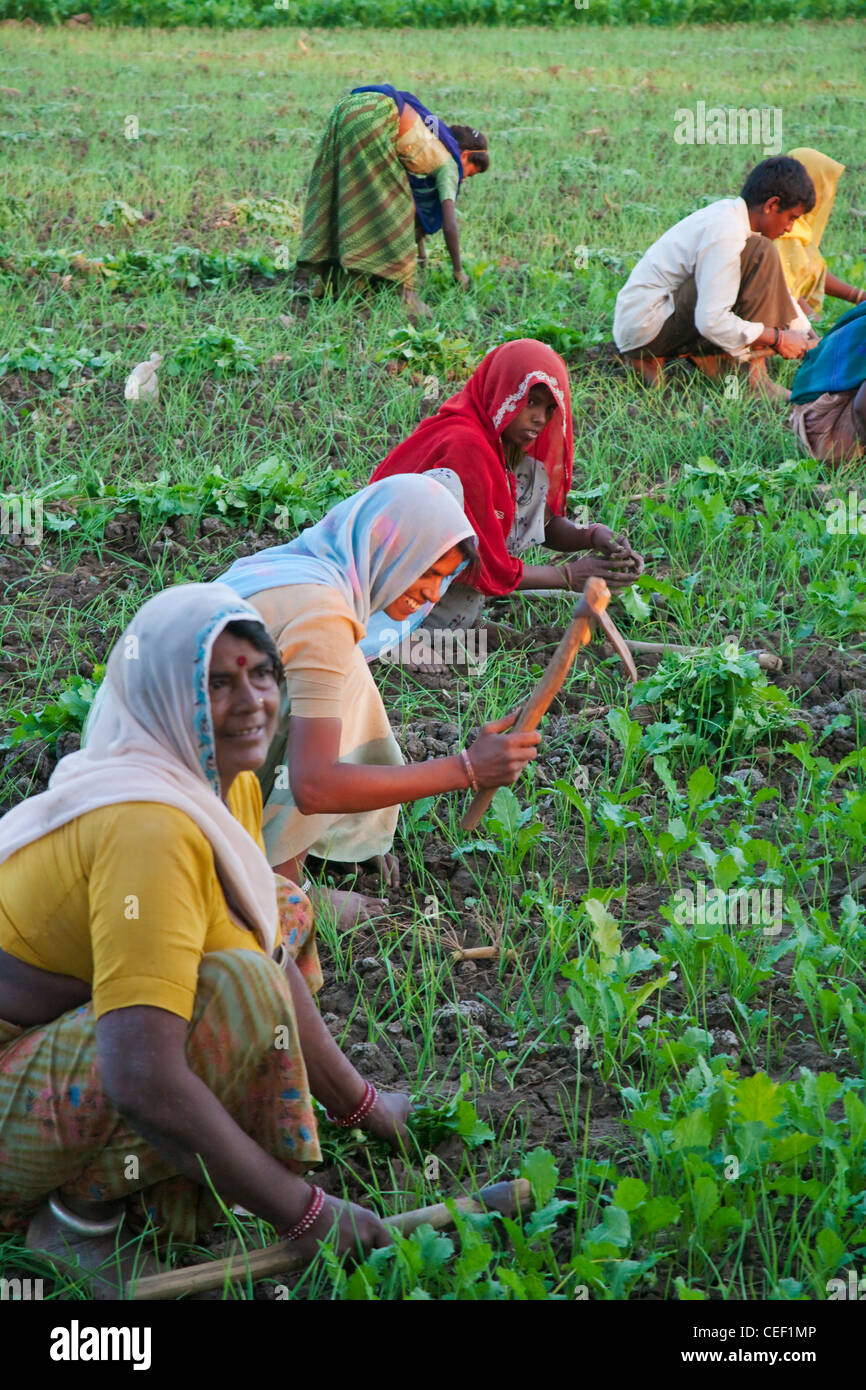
{"x": 828, "y": 681}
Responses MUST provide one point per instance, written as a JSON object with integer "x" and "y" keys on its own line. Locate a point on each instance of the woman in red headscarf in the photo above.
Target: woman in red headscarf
{"x": 508, "y": 436}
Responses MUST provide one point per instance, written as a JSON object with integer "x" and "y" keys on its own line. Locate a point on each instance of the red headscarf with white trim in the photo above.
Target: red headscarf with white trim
{"x": 465, "y": 435}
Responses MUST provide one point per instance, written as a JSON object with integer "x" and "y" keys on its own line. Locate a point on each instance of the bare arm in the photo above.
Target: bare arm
{"x": 543, "y": 577}
{"x": 840, "y": 290}
{"x": 616, "y": 573}
{"x": 321, "y": 783}
{"x": 142, "y": 1062}
{"x": 787, "y": 342}
{"x": 333, "y": 1080}
{"x": 562, "y": 534}
{"x": 452, "y": 239}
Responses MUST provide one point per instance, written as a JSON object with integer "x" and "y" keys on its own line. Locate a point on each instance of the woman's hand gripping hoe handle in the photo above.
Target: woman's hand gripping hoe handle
{"x": 589, "y": 610}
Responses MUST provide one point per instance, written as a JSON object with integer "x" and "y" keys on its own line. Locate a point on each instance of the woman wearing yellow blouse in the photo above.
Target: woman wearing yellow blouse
{"x": 155, "y": 1026}
{"x": 388, "y": 173}
{"x": 804, "y": 266}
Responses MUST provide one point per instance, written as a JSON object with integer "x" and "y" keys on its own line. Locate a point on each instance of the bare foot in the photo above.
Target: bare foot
{"x": 713, "y": 364}
{"x": 309, "y": 283}
{"x": 351, "y": 909}
{"x": 110, "y": 1262}
{"x": 389, "y": 870}
{"x": 415, "y": 307}
{"x": 770, "y": 390}
{"x": 426, "y": 668}
{"x": 414, "y": 668}
{"x": 650, "y": 368}
{"x": 437, "y": 677}
{"x": 762, "y": 384}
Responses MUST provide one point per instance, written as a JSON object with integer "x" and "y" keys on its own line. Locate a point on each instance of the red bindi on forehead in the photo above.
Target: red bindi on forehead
{"x": 242, "y": 661}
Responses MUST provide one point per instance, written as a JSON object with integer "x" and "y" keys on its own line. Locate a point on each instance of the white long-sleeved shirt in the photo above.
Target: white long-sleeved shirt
{"x": 708, "y": 244}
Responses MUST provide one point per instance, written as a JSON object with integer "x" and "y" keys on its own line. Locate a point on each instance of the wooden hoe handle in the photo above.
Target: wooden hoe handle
{"x": 282, "y": 1258}
{"x": 593, "y": 602}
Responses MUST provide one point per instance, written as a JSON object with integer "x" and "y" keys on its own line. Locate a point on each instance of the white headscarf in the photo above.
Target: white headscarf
{"x": 149, "y": 737}
{"x": 383, "y": 633}
{"x": 371, "y": 547}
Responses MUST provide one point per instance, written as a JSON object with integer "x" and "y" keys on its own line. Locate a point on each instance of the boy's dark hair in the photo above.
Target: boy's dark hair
{"x": 783, "y": 178}
{"x": 475, "y": 142}
{"x": 258, "y": 637}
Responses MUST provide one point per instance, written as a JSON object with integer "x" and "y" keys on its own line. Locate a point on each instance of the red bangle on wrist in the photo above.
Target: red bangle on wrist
{"x": 309, "y": 1218}
{"x": 371, "y": 1095}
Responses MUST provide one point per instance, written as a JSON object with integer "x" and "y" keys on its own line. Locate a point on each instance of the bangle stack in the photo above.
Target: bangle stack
{"x": 778, "y": 333}
{"x": 371, "y": 1095}
{"x": 470, "y": 770}
{"x": 309, "y": 1218}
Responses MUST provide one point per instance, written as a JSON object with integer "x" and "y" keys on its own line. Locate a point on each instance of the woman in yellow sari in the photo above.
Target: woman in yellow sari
{"x": 804, "y": 266}
{"x": 159, "y": 1043}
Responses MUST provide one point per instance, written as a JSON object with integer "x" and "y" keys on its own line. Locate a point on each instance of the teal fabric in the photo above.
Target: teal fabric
{"x": 838, "y": 363}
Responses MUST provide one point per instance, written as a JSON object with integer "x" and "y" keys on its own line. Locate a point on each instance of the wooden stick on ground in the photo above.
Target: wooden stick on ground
{"x": 459, "y": 953}
{"x": 282, "y": 1258}
{"x": 448, "y": 937}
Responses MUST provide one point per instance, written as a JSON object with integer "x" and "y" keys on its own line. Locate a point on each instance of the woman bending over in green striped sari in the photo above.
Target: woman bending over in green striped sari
{"x": 387, "y": 174}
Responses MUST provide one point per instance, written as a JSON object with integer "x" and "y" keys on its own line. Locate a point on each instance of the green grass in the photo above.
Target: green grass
{"x": 696, "y": 1090}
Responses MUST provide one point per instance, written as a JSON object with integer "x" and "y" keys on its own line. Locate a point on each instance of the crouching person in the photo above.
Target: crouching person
{"x": 159, "y": 1042}
{"x": 828, "y": 395}
{"x": 712, "y": 288}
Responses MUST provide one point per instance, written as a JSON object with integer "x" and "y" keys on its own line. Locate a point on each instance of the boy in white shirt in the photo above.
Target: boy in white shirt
{"x": 712, "y": 288}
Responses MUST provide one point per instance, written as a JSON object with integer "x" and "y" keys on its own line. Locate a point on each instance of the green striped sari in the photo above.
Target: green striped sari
{"x": 359, "y": 212}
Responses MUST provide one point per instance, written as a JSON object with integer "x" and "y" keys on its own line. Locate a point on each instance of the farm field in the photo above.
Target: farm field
{"x": 683, "y": 1088}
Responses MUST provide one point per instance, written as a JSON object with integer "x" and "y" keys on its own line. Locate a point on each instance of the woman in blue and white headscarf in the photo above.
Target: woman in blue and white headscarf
{"x": 334, "y": 777}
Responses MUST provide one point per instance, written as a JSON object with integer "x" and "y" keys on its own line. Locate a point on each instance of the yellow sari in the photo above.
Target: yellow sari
{"x": 804, "y": 267}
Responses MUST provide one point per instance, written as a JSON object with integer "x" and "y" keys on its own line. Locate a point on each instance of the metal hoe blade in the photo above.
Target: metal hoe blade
{"x": 617, "y": 641}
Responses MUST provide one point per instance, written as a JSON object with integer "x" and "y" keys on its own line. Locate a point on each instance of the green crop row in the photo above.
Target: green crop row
{"x": 238, "y": 14}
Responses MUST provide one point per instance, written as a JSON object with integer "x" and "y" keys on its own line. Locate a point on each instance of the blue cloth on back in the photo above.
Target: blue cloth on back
{"x": 424, "y": 191}
{"x": 838, "y": 363}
